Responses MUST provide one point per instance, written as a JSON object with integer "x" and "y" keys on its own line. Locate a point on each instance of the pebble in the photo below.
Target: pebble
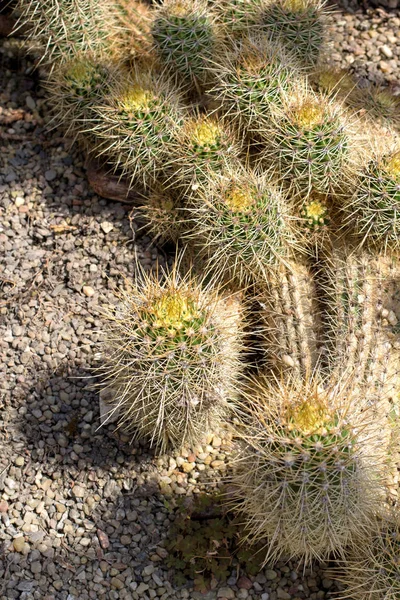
{"x": 88, "y": 291}
{"x": 386, "y": 51}
{"x": 78, "y": 491}
{"x": 19, "y": 544}
{"x": 50, "y": 175}
{"x": 106, "y": 226}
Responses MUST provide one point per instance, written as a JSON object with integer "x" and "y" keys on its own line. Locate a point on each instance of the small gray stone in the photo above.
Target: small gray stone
{"x": 226, "y": 592}
{"x": 78, "y": 491}
{"x": 50, "y": 175}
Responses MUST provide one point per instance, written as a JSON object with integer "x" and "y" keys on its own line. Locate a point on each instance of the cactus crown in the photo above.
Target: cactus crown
{"x": 172, "y": 311}
{"x": 309, "y": 114}
{"x": 391, "y": 165}
{"x": 239, "y": 199}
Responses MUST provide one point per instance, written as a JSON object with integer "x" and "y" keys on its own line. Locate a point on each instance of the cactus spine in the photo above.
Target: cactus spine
{"x": 172, "y": 359}
{"x": 242, "y": 224}
{"x": 310, "y": 476}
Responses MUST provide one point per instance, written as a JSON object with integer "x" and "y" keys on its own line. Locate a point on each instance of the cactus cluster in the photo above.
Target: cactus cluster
{"x": 281, "y": 177}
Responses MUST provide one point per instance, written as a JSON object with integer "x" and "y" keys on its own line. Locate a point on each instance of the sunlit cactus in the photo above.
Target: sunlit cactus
{"x": 251, "y": 80}
{"x": 311, "y": 476}
{"x": 300, "y": 25}
{"x": 171, "y": 359}
{"x": 242, "y": 223}
{"x": 64, "y": 28}
{"x": 204, "y": 146}
{"x": 237, "y": 16}
{"x": 311, "y": 143}
{"x": 373, "y": 211}
{"x": 185, "y": 37}
{"x": 372, "y": 568}
{"x": 136, "y": 123}
{"x": 290, "y": 321}
{"x": 76, "y": 89}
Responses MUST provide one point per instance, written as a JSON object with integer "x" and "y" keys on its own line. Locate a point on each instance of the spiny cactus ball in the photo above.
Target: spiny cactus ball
{"x": 241, "y": 221}
{"x": 251, "y": 80}
{"x": 204, "y": 146}
{"x": 309, "y": 478}
{"x": 310, "y": 141}
{"x": 373, "y": 212}
{"x": 172, "y": 359}
{"x": 237, "y": 16}
{"x": 136, "y": 123}
{"x": 297, "y": 24}
{"x": 372, "y": 568}
{"x": 76, "y": 89}
{"x": 184, "y": 37}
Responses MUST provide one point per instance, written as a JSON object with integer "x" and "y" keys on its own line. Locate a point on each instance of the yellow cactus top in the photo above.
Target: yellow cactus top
{"x": 206, "y": 133}
{"x": 136, "y": 98}
{"x": 172, "y": 311}
{"x": 391, "y": 166}
{"x": 180, "y": 8}
{"x": 252, "y": 61}
{"x": 79, "y": 71}
{"x": 309, "y": 114}
{"x": 311, "y": 416}
{"x": 239, "y": 199}
{"x": 296, "y": 5}
{"x": 315, "y": 209}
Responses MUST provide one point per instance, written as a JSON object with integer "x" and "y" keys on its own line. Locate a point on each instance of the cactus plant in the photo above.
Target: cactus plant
{"x": 242, "y": 224}
{"x": 289, "y": 312}
{"x": 251, "y": 79}
{"x": 311, "y": 476}
{"x": 162, "y": 214}
{"x": 373, "y": 211}
{"x": 372, "y": 569}
{"x": 172, "y": 358}
{"x": 310, "y": 140}
{"x": 298, "y": 24}
{"x": 237, "y": 16}
{"x": 70, "y": 27}
{"x": 184, "y": 37}
{"x": 136, "y": 123}
{"x": 204, "y": 145}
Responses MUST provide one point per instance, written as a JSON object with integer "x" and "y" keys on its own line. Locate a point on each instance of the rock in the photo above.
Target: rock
{"x": 29, "y": 101}
{"x": 78, "y": 491}
{"x": 103, "y": 539}
{"x": 149, "y": 570}
{"x": 270, "y": 574}
{"x": 50, "y": 175}
{"x": 19, "y": 461}
{"x": 244, "y": 583}
{"x": 88, "y": 291}
{"x": 226, "y": 592}
{"x": 3, "y": 506}
{"x": 36, "y": 567}
{"x": 107, "y": 226}
{"x": 386, "y": 51}
{"x": 19, "y": 543}
{"x": 282, "y": 594}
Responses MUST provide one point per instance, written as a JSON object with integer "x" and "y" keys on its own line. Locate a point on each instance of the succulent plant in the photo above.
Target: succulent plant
{"x": 250, "y": 81}
{"x": 172, "y": 359}
{"x": 289, "y": 312}
{"x": 372, "y": 569}
{"x": 162, "y": 214}
{"x": 237, "y": 16}
{"x": 136, "y": 123}
{"x": 241, "y": 222}
{"x": 373, "y": 211}
{"x": 297, "y": 24}
{"x": 204, "y": 146}
{"x": 310, "y": 141}
{"x": 184, "y": 37}
{"x": 65, "y": 28}
{"x": 76, "y": 89}
{"x": 311, "y": 476}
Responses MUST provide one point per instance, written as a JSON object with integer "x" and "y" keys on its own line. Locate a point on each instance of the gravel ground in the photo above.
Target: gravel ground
{"x": 82, "y": 513}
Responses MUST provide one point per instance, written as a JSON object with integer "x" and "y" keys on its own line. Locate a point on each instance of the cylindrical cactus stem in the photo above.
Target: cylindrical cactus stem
{"x": 372, "y": 211}
{"x": 299, "y": 25}
{"x": 185, "y": 37}
{"x": 241, "y": 222}
{"x": 371, "y": 570}
{"x": 68, "y": 27}
{"x": 135, "y": 20}
{"x": 136, "y": 123}
{"x": 75, "y": 89}
{"x": 337, "y": 83}
{"x": 357, "y": 287}
{"x": 311, "y": 141}
{"x": 311, "y": 475}
{"x": 251, "y": 80}
{"x": 290, "y": 320}
{"x": 171, "y": 359}
{"x": 204, "y": 146}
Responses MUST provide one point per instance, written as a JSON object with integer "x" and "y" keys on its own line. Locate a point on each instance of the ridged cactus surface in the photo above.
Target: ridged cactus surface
{"x": 281, "y": 175}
